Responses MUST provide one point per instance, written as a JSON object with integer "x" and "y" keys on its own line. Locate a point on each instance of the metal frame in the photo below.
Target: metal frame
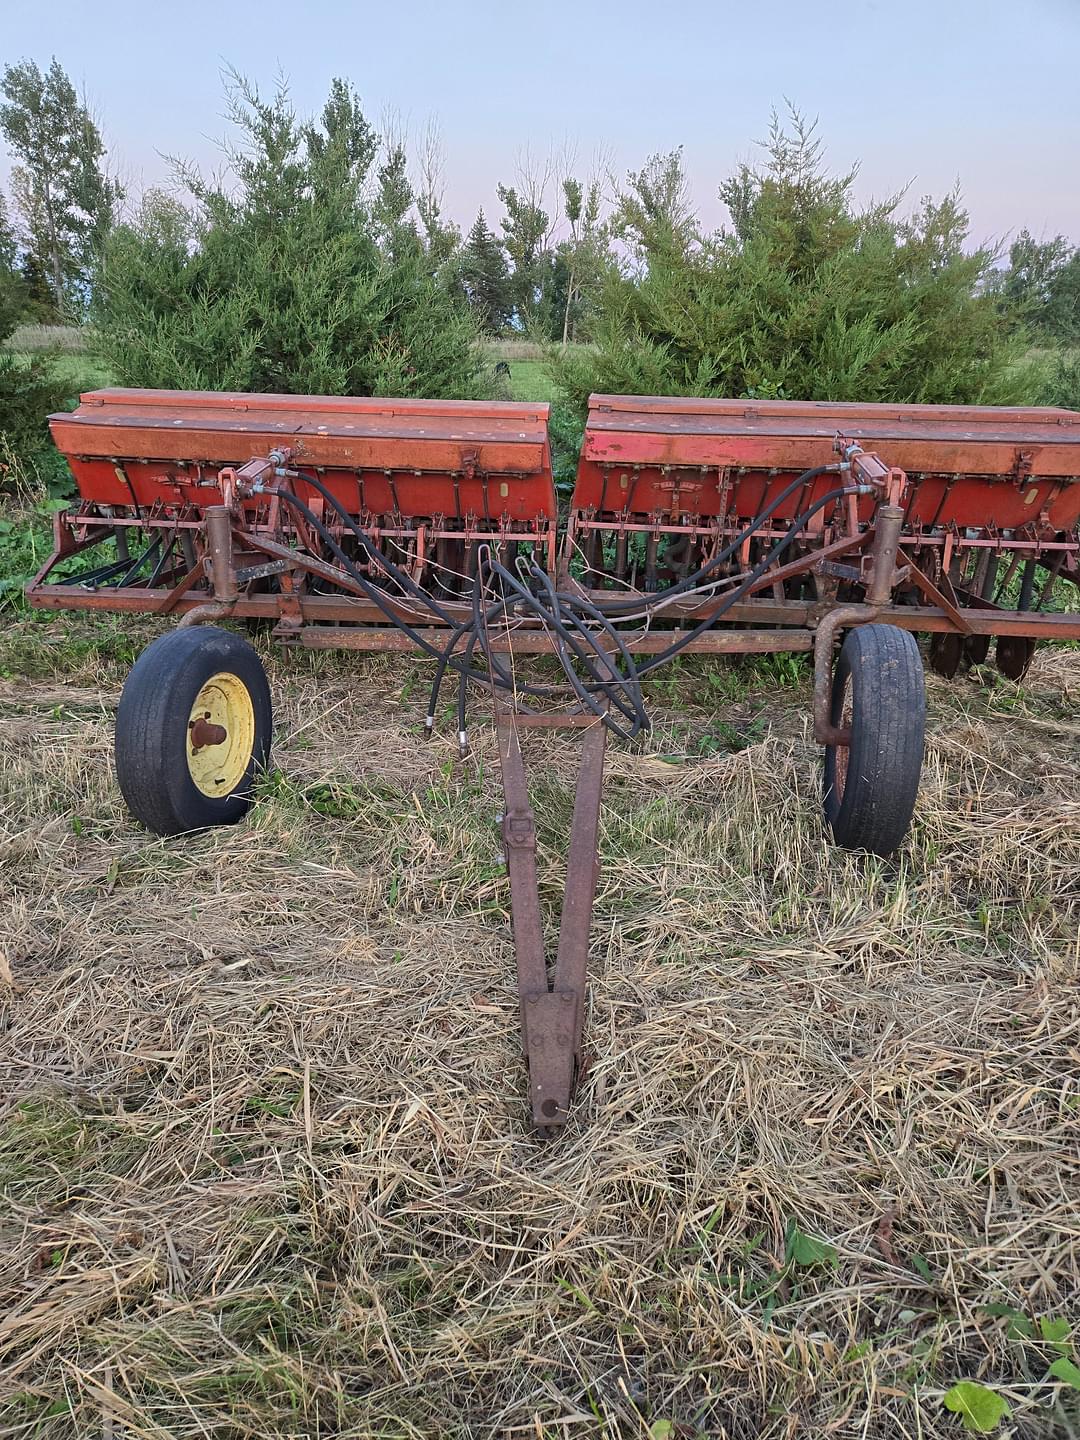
{"x": 220, "y": 535}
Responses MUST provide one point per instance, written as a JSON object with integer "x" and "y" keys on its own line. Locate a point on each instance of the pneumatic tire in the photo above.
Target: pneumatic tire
{"x": 879, "y": 691}
{"x": 192, "y": 730}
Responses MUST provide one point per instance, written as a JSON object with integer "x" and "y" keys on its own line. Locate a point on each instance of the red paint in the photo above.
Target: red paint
{"x": 970, "y": 466}
{"x": 416, "y": 458}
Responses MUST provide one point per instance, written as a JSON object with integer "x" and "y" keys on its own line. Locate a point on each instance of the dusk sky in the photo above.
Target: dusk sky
{"x": 920, "y": 91}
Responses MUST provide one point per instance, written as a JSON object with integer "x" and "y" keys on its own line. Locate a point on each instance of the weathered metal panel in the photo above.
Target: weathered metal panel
{"x": 409, "y": 457}
{"x": 1000, "y": 467}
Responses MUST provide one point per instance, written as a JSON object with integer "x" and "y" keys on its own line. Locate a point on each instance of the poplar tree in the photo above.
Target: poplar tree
{"x": 66, "y": 200}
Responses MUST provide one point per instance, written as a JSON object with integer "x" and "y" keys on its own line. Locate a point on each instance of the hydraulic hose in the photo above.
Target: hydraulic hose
{"x": 583, "y": 630}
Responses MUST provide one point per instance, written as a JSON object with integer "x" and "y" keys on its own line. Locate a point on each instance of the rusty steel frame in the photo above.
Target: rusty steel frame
{"x": 552, "y": 1007}
{"x": 323, "y": 618}
{"x": 323, "y": 614}
{"x": 616, "y": 522}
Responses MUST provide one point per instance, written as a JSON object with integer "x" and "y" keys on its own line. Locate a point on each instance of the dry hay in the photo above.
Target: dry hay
{"x": 264, "y": 1160}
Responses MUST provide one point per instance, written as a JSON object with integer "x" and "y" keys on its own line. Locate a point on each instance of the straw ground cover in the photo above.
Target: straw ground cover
{"x": 264, "y": 1164}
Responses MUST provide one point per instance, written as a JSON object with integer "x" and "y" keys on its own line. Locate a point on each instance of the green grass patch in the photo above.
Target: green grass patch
{"x": 531, "y": 380}
{"x": 77, "y": 370}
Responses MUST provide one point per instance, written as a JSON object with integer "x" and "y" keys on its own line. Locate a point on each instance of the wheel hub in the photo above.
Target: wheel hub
{"x": 204, "y": 733}
{"x": 220, "y": 735}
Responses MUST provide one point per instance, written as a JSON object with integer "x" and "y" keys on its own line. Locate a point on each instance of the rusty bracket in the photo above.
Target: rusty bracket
{"x": 836, "y": 571}
{"x": 938, "y": 596}
{"x": 882, "y": 576}
{"x": 245, "y": 575}
{"x": 552, "y": 1009}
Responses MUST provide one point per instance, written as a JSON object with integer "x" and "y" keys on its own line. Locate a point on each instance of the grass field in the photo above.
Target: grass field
{"x": 76, "y": 368}
{"x": 264, "y": 1161}
{"x": 530, "y": 380}
{"x": 35, "y": 338}
{"x": 81, "y": 372}
{"x": 263, "y": 1153}
{"x": 77, "y": 365}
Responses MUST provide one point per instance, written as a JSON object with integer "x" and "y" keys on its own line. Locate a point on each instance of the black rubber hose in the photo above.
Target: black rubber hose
{"x": 373, "y": 592}
{"x": 552, "y": 617}
{"x": 609, "y": 608}
{"x": 460, "y": 629}
{"x": 407, "y": 583}
{"x": 443, "y": 657}
{"x": 797, "y": 525}
{"x": 382, "y": 600}
{"x": 633, "y": 708}
{"x": 631, "y": 664}
{"x": 691, "y": 582}
{"x": 440, "y": 674}
{"x": 564, "y": 615}
{"x": 476, "y": 632}
{"x": 463, "y": 685}
{"x": 554, "y": 621}
{"x": 550, "y": 620}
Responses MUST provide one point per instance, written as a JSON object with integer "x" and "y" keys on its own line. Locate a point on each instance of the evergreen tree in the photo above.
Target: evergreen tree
{"x": 39, "y": 295}
{"x": 1041, "y": 287}
{"x": 291, "y": 278}
{"x": 806, "y": 296}
{"x": 12, "y": 288}
{"x": 66, "y": 200}
{"x": 28, "y": 388}
{"x": 486, "y": 278}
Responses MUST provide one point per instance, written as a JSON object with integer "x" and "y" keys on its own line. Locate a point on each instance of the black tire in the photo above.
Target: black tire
{"x": 155, "y": 763}
{"x": 880, "y": 690}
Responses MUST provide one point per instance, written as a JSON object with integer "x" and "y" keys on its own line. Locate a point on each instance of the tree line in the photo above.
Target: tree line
{"x": 324, "y": 261}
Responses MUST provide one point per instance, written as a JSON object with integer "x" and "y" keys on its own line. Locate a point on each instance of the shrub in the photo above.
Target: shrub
{"x": 283, "y": 281}
{"x": 29, "y": 392}
{"x": 1058, "y": 380}
{"x": 805, "y": 297}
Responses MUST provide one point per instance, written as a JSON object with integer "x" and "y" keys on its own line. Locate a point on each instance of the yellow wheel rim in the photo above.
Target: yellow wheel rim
{"x": 220, "y": 735}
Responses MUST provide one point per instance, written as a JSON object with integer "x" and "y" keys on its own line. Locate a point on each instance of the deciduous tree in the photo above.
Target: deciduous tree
{"x": 527, "y": 229}
{"x": 65, "y": 197}
{"x": 583, "y": 255}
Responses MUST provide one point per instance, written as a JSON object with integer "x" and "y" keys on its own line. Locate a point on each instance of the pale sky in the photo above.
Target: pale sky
{"x": 920, "y": 91}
